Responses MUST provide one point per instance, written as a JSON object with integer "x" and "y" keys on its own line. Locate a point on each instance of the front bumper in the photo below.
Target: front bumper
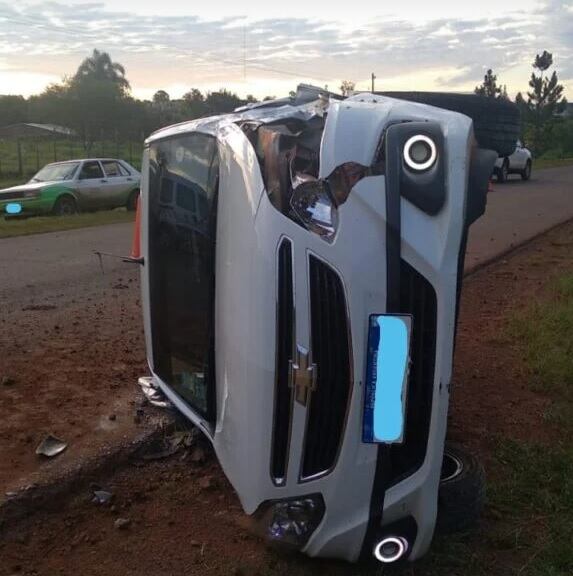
{"x": 28, "y": 207}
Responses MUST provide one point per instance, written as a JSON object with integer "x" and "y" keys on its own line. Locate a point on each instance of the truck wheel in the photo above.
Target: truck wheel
{"x": 496, "y": 122}
{"x": 131, "y": 203}
{"x": 526, "y": 172}
{"x": 461, "y": 495}
{"x": 65, "y": 206}
{"x": 503, "y": 172}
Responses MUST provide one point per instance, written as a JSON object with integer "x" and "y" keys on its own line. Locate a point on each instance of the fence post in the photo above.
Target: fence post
{"x": 37, "y": 156}
{"x": 55, "y": 151}
{"x": 20, "y": 166}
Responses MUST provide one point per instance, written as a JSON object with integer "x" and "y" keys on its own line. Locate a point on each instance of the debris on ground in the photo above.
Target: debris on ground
{"x": 121, "y": 523}
{"x": 100, "y": 495}
{"x": 7, "y": 381}
{"x": 153, "y": 395}
{"x": 51, "y": 446}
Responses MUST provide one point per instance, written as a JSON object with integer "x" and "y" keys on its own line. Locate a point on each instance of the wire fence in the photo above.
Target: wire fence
{"x": 24, "y": 157}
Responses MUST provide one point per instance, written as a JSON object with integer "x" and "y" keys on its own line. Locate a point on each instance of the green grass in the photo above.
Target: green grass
{"x": 528, "y": 525}
{"x": 541, "y": 163}
{"x": 41, "y": 224}
{"x": 545, "y": 332}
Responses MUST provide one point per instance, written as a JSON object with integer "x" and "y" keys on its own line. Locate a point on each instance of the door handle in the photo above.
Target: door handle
{"x": 130, "y": 179}
{"x": 103, "y": 180}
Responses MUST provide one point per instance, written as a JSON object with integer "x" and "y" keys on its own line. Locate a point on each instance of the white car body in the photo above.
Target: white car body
{"x": 250, "y": 234}
{"x": 517, "y": 163}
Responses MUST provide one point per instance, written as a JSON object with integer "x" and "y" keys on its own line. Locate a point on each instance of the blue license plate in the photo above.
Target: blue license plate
{"x": 386, "y": 378}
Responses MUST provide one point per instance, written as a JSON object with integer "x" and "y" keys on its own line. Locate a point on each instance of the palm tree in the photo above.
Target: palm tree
{"x": 100, "y": 66}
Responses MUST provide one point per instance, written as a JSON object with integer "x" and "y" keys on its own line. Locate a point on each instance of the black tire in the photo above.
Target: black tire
{"x": 496, "y": 122}
{"x": 65, "y": 206}
{"x": 131, "y": 203}
{"x": 461, "y": 495}
{"x": 526, "y": 172}
{"x": 503, "y": 172}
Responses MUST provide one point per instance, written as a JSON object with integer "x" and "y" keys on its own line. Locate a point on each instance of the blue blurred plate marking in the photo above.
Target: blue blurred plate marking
{"x": 386, "y": 378}
{"x": 13, "y": 208}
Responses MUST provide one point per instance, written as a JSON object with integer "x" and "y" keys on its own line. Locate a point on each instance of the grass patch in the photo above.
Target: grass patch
{"x": 41, "y": 224}
{"x": 545, "y": 333}
{"x": 540, "y": 163}
{"x": 528, "y": 529}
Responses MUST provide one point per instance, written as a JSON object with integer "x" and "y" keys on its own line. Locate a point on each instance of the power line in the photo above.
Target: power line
{"x": 185, "y": 52}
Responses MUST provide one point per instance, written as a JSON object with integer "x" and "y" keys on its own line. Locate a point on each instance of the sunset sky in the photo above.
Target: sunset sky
{"x": 266, "y": 48}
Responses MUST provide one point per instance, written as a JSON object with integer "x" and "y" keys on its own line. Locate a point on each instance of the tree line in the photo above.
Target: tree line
{"x": 97, "y": 104}
{"x": 545, "y": 127}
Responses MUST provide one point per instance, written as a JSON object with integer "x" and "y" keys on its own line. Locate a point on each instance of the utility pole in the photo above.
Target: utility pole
{"x": 373, "y": 78}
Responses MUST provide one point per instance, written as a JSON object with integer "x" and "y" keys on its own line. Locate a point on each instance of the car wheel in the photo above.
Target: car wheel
{"x": 131, "y": 204}
{"x": 461, "y": 495}
{"x": 496, "y": 122}
{"x": 503, "y": 172}
{"x": 65, "y": 206}
{"x": 526, "y": 172}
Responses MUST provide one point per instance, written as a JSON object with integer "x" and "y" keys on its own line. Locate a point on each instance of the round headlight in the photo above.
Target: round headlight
{"x": 420, "y": 152}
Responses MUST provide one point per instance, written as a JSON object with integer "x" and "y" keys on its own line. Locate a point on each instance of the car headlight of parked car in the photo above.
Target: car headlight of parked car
{"x": 31, "y": 193}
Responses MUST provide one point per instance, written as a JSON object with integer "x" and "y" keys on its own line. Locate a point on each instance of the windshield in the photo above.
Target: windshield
{"x": 182, "y": 223}
{"x": 56, "y": 172}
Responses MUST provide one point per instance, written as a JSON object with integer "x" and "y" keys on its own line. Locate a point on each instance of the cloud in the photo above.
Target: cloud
{"x": 52, "y": 38}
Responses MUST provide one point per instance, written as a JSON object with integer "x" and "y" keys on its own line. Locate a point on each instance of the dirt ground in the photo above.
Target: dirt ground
{"x": 181, "y": 516}
{"x": 68, "y": 367}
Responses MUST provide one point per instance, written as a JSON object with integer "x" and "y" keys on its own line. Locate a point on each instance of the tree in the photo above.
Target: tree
{"x": 544, "y": 100}
{"x": 13, "y": 109}
{"x": 489, "y": 87}
{"x": 347, "y": 87}
{"x": 194, "y": 103}
{"x": 99, "y": 66}
{"x": 161, "y": 97}
{"x": 222, "y": 101}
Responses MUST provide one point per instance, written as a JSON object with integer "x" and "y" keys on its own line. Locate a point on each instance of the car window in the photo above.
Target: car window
{"x": 113, "y": 168}
{"x": 90, "y": 170}
{"x": 56, "y": 172}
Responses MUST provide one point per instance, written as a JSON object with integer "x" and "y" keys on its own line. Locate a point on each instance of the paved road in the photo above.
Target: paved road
{"x": 517, "y": 211}
{"x": 64, "y": 261}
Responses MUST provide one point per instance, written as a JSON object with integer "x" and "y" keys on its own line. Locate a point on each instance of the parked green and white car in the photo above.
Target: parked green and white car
{"x": 64, "y": 188}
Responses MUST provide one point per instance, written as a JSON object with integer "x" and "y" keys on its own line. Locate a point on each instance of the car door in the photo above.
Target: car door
{"x": 119, "y": 183}
{"x": 90, "y": 185}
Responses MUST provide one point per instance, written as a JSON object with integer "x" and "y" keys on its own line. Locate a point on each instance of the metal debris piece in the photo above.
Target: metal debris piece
{"x": 152, "y": 393}
{"x": 102, "y": 497}
{"x": 51, "y": 446}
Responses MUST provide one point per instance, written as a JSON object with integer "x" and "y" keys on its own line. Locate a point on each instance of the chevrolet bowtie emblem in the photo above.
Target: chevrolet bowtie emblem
{"x": 302, "y": 376}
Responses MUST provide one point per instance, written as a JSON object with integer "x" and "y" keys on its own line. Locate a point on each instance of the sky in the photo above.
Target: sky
{"x": 266, "y": 48}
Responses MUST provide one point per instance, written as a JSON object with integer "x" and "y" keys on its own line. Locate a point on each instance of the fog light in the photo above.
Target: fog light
{"x": 420, "y": 152}
{"x": 291, "y": 521}
{"x": 390, "y": 549}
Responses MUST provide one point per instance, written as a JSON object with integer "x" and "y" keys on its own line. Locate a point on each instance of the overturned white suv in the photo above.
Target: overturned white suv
{"x": 302, "y": 264}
